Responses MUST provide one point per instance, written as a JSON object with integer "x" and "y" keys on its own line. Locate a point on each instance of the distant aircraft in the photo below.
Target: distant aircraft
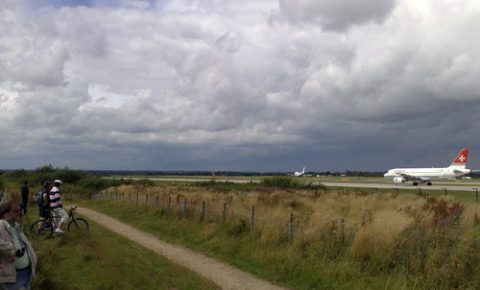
{"x": 298, "y": 174}
{"x": 455, "y": 170}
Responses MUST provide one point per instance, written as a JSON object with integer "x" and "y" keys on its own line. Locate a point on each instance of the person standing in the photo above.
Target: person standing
{"x": 18, "y": 266}
{"x": 43, "y": 200}
{"x": 56, "y": 205}
{"x": 25, "y": 193}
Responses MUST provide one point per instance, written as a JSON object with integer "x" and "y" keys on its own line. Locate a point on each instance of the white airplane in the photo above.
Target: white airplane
{"x": 455, "y": 170}
{"x": 298, "y": 174}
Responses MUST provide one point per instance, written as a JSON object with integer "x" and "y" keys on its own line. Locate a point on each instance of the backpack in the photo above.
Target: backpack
{"x": 38, "y": 197}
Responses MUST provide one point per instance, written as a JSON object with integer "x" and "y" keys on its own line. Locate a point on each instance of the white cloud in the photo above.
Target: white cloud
{"x": 146, "y": 77}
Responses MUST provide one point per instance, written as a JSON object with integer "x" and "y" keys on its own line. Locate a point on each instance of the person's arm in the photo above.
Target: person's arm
{"x": 7, "y": 250}
{"x": 45, "y": 200}
{"x": 5, "y": 246}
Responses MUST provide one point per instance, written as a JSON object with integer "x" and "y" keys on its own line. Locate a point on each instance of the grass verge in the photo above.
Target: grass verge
{"x": 104, "y": 260}
{"x": 280, "y": 263}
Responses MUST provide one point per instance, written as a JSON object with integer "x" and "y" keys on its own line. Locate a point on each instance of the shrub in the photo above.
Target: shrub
{"x": 237, "y": 227}
{"x": 280, "y": 182}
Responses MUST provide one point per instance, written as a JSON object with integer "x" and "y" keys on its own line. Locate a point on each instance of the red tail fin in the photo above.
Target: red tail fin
{"x": 461, "y": 158}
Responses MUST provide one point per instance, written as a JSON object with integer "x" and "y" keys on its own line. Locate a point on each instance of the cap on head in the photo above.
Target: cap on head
{"x": 57, "y": 181}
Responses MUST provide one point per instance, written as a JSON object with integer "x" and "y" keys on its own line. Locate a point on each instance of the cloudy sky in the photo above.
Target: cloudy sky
{"x": 239, "y": 85}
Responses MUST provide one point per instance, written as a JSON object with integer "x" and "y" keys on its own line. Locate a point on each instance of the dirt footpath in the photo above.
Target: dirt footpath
{"x": 226, "y": 276}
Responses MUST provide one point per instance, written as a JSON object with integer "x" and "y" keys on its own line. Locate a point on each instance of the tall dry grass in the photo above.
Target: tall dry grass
{"x": 436, "y": 239}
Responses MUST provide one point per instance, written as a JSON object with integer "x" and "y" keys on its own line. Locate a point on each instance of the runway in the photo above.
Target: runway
{"x": 199, "y": 179}
{"x": 442, "y": 186}
{"x": 439, "y": 186}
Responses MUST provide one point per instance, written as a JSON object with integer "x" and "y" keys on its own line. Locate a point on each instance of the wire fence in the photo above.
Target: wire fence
{"x": 250, "y": 215}
{"x": 252, "y": 218}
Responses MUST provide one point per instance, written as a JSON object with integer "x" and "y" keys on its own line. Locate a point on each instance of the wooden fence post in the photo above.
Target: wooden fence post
{"x": 169, "y": 203}
{"x": 136, "y": 202}
{"x": 252, "y": 218}
{"x": 202, "y": 215}
{"x": 224, "y": 211}
{"x": 185, "y": 207}
{"x": 290, "y": 228}
{"x": 146, "y": 199}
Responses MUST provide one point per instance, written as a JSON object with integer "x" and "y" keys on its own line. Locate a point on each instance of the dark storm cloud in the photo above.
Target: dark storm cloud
{"x": 336, "y": 14}
{"x": 265, "y": 85}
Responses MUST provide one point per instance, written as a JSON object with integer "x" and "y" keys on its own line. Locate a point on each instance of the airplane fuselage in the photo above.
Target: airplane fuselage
{"x": 455, "y": 170}
{"x": 298, "y": 174}
{"x": 427, "y": 173}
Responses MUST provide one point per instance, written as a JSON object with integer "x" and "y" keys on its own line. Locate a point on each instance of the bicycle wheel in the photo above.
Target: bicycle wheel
{"x": 42, "y": 228}
{"x": 78, "y": 225}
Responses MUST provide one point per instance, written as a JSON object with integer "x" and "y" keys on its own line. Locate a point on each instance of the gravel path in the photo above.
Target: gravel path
{"x": 224, "y": 275}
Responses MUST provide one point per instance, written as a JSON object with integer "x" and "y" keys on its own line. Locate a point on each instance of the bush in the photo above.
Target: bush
{"x": 76, "y": 181}
{"x": 237, "y": 227}
{"x": 280, "y": 182}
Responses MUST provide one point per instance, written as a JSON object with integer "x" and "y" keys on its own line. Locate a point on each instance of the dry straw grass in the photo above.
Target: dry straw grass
{"x": 471, "y": 216}
{"x": 374, "y": 220}
{"x": 377, "y": 237}
{"x": 436, "y": 239}
{"x": 273, "y": 228}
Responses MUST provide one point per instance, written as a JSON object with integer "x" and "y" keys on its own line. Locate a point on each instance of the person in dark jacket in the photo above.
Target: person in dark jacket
{"x": 44, "y": 200}
{"x": 25, "y": 193}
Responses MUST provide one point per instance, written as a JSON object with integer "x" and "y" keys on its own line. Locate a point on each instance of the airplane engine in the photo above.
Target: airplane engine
{"x": 399, "y": 180}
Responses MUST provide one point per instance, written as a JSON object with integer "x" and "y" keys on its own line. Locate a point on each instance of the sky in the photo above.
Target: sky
{"x": 265, "y": 85}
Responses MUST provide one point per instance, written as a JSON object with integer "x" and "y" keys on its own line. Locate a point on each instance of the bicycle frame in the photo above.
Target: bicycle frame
{"x": 54, "y": 219}
{"x": 50, "y": 223}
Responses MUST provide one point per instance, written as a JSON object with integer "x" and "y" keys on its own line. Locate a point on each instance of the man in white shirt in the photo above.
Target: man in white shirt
{"x": 56, "y": 205}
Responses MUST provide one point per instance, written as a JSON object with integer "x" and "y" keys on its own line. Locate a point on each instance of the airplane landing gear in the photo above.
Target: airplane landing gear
{"x": 415, "y": 183}
{"x": 429, "y": 183}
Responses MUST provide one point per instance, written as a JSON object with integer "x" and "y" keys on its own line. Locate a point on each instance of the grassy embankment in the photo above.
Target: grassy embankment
{"x": 100, "y": 260}
{"x": 103, "y": 260}
{"x": 341, "y": 239}
{"x": 454, "y": 195}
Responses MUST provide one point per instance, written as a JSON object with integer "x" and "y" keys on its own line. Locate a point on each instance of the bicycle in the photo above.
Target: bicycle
{"x": 45, "y": 227}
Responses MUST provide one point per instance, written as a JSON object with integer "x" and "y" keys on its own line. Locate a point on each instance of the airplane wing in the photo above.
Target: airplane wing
{"x": 410, "y": 177}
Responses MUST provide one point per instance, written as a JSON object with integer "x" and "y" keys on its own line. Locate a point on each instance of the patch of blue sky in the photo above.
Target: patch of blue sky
{"x": 138, "y": 4}
{"x": 143, "y": 4}
{"x": 62, "y": 3}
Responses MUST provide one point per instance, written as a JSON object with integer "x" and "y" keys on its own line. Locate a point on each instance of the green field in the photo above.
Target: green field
{"x": 103, "y": 260}
{"x": 342, "y": 238}
{"x": 304, "y": 235}
{"x": 307, "y": 179}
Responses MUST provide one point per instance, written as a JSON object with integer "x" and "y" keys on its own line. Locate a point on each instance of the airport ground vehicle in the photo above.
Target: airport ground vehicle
{"x": 45, "y": 227}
